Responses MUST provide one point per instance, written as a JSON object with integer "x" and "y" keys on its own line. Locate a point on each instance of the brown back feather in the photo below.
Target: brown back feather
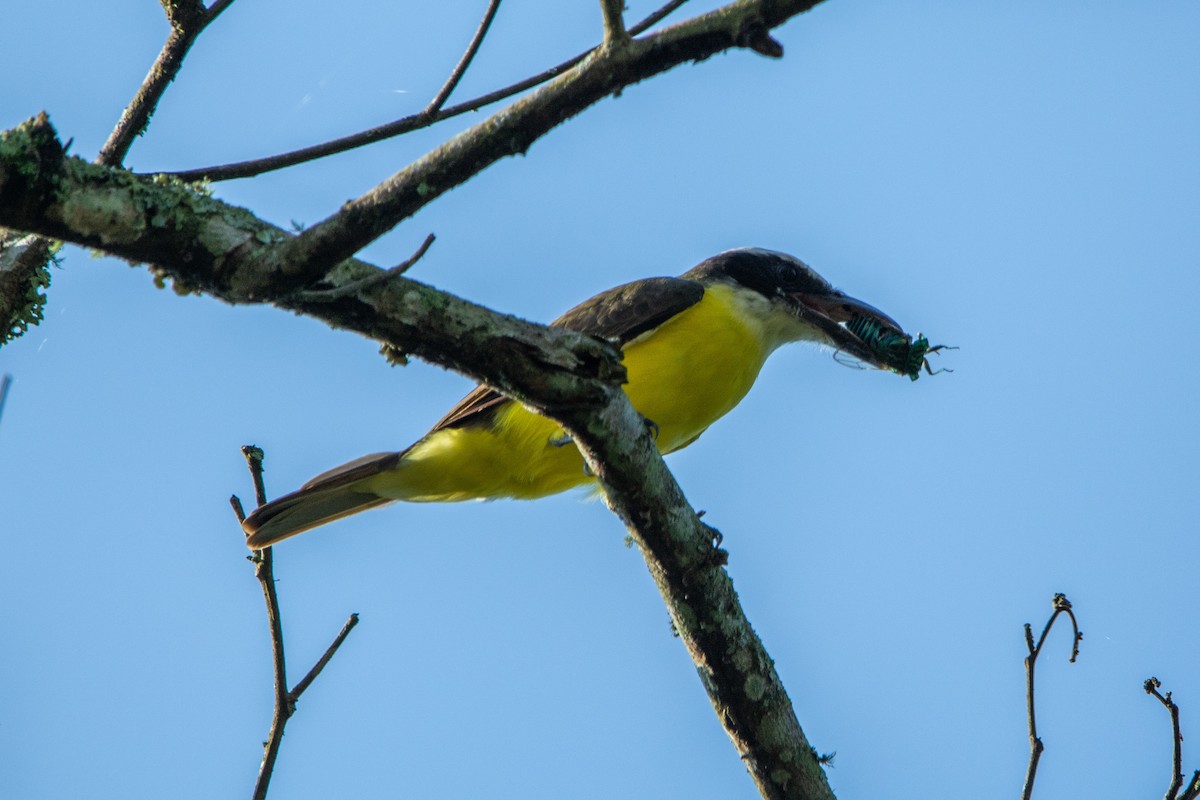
{"x": 620, "y": 314}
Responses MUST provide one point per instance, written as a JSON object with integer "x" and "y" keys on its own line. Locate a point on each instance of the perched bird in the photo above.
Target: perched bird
{"x": 692, "y": 345}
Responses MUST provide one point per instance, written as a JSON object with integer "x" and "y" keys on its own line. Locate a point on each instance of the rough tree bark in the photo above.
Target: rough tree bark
{"x": 203, "y": 245}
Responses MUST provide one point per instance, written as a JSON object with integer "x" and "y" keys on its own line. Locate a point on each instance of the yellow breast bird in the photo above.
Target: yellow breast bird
{"x": 692, "y": 345}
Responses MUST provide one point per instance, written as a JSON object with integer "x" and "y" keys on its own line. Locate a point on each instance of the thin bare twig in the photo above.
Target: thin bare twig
{"x": 307, "y": 680}
{"x": 264, "y": 570}
{"x": 1061, "y": 605}
{"x": 1152, "y": 685}
{"x": 307, "y": 257}
{"x": 5, "y": 382}
{"x": 661, "y": 13}
{"x": 460, "y": 68}
{"x": 413, "y": 122}
{"x": 285, "y": 701}
{"x": 216, "y": 8}
{"x": 379, "y": 278}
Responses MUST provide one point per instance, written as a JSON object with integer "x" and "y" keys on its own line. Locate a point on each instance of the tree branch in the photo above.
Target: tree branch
{"x": 379, "y": 278}
{"x": 204, "y": 245}
{"x": 1152, "y": 685}
{"x": 264, "y": 571}
{"x": 512, "y": 130}
{"x": 324, "y": 660}
{"x": 207, "y": 246}
{"x": 24, "y": 259}
{"x": 687, "y": 566}
{"x": 5, "y": 384}
{"x": 24, "y": 272}
{"x": 188, "y": 19}
{"x": 460, "y": 69}
{"x": 1061, "y": 606}
{"x": 259, "y": 166}
{"x": 196, "y": 241}
{"x": 613, "y": 12}
{"x": 217, "y": 8}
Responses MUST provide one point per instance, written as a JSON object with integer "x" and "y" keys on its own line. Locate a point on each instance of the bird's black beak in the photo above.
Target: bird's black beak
{"x": 854, "y": 327}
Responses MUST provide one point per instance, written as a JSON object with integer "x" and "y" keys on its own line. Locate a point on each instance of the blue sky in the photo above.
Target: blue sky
{"x": 1018, "y": 179}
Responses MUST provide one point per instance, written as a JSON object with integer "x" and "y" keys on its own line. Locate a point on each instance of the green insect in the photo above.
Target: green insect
{"x": 903, "y": 354}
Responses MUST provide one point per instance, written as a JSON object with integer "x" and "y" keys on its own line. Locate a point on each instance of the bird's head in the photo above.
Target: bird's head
{"x": 807, "y": 307}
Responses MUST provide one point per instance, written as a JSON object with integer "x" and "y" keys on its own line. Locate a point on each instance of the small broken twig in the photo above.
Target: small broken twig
{"x": 383, "y": 276}
{"x": 285, "y": 701}
{"x": 1061, "y": 606}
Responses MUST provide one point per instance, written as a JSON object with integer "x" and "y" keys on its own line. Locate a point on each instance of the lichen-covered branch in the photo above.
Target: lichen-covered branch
{"x": 24, "y": 273}
{"x": 25, "y": 259}
{"x": 687, "y": 565}
{"x": 204, "y": 245}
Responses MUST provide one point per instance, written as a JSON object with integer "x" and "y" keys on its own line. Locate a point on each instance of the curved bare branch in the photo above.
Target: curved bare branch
{"x": 513, "y": 130}
{"x": 1061, "y": 606}
{"x": 413, "y": 122}
{"x": 208, "y": 246}
{"x": 460, "y": 68}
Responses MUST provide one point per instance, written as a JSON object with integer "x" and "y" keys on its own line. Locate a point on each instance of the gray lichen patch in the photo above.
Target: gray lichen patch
{"x": 110, "y": 215}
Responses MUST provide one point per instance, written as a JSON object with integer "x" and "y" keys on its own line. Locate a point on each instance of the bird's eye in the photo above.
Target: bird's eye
{"x": 789, "y": 274}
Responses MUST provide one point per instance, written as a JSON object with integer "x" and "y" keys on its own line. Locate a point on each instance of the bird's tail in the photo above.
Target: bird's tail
{"x": 333, "y": 495}
{"x": 301, "y": 510}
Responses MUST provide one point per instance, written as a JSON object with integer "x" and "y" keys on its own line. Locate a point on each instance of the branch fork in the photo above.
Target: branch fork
{"x": 285, "y": 700}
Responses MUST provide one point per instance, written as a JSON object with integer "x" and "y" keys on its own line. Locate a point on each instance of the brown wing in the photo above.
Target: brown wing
{"x": 620, "y": 314}
{"x": 628, "y": 311}
{"x": 477, "y": 408}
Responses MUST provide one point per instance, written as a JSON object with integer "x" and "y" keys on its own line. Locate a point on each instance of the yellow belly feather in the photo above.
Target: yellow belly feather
{"x": 683, "y": 376}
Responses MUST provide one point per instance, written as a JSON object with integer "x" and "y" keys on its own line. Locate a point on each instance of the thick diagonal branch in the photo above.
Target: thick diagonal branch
{"x": 687, "y": 566}
{"x": 188, "y": 20}
{"x": 399, "y": 127}
{"x": 512, "y": 130}
{"x": 208, "y": 246}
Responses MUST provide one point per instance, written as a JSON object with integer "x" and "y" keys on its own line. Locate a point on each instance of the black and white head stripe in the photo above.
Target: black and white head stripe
{"x": 765, "y": 271}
